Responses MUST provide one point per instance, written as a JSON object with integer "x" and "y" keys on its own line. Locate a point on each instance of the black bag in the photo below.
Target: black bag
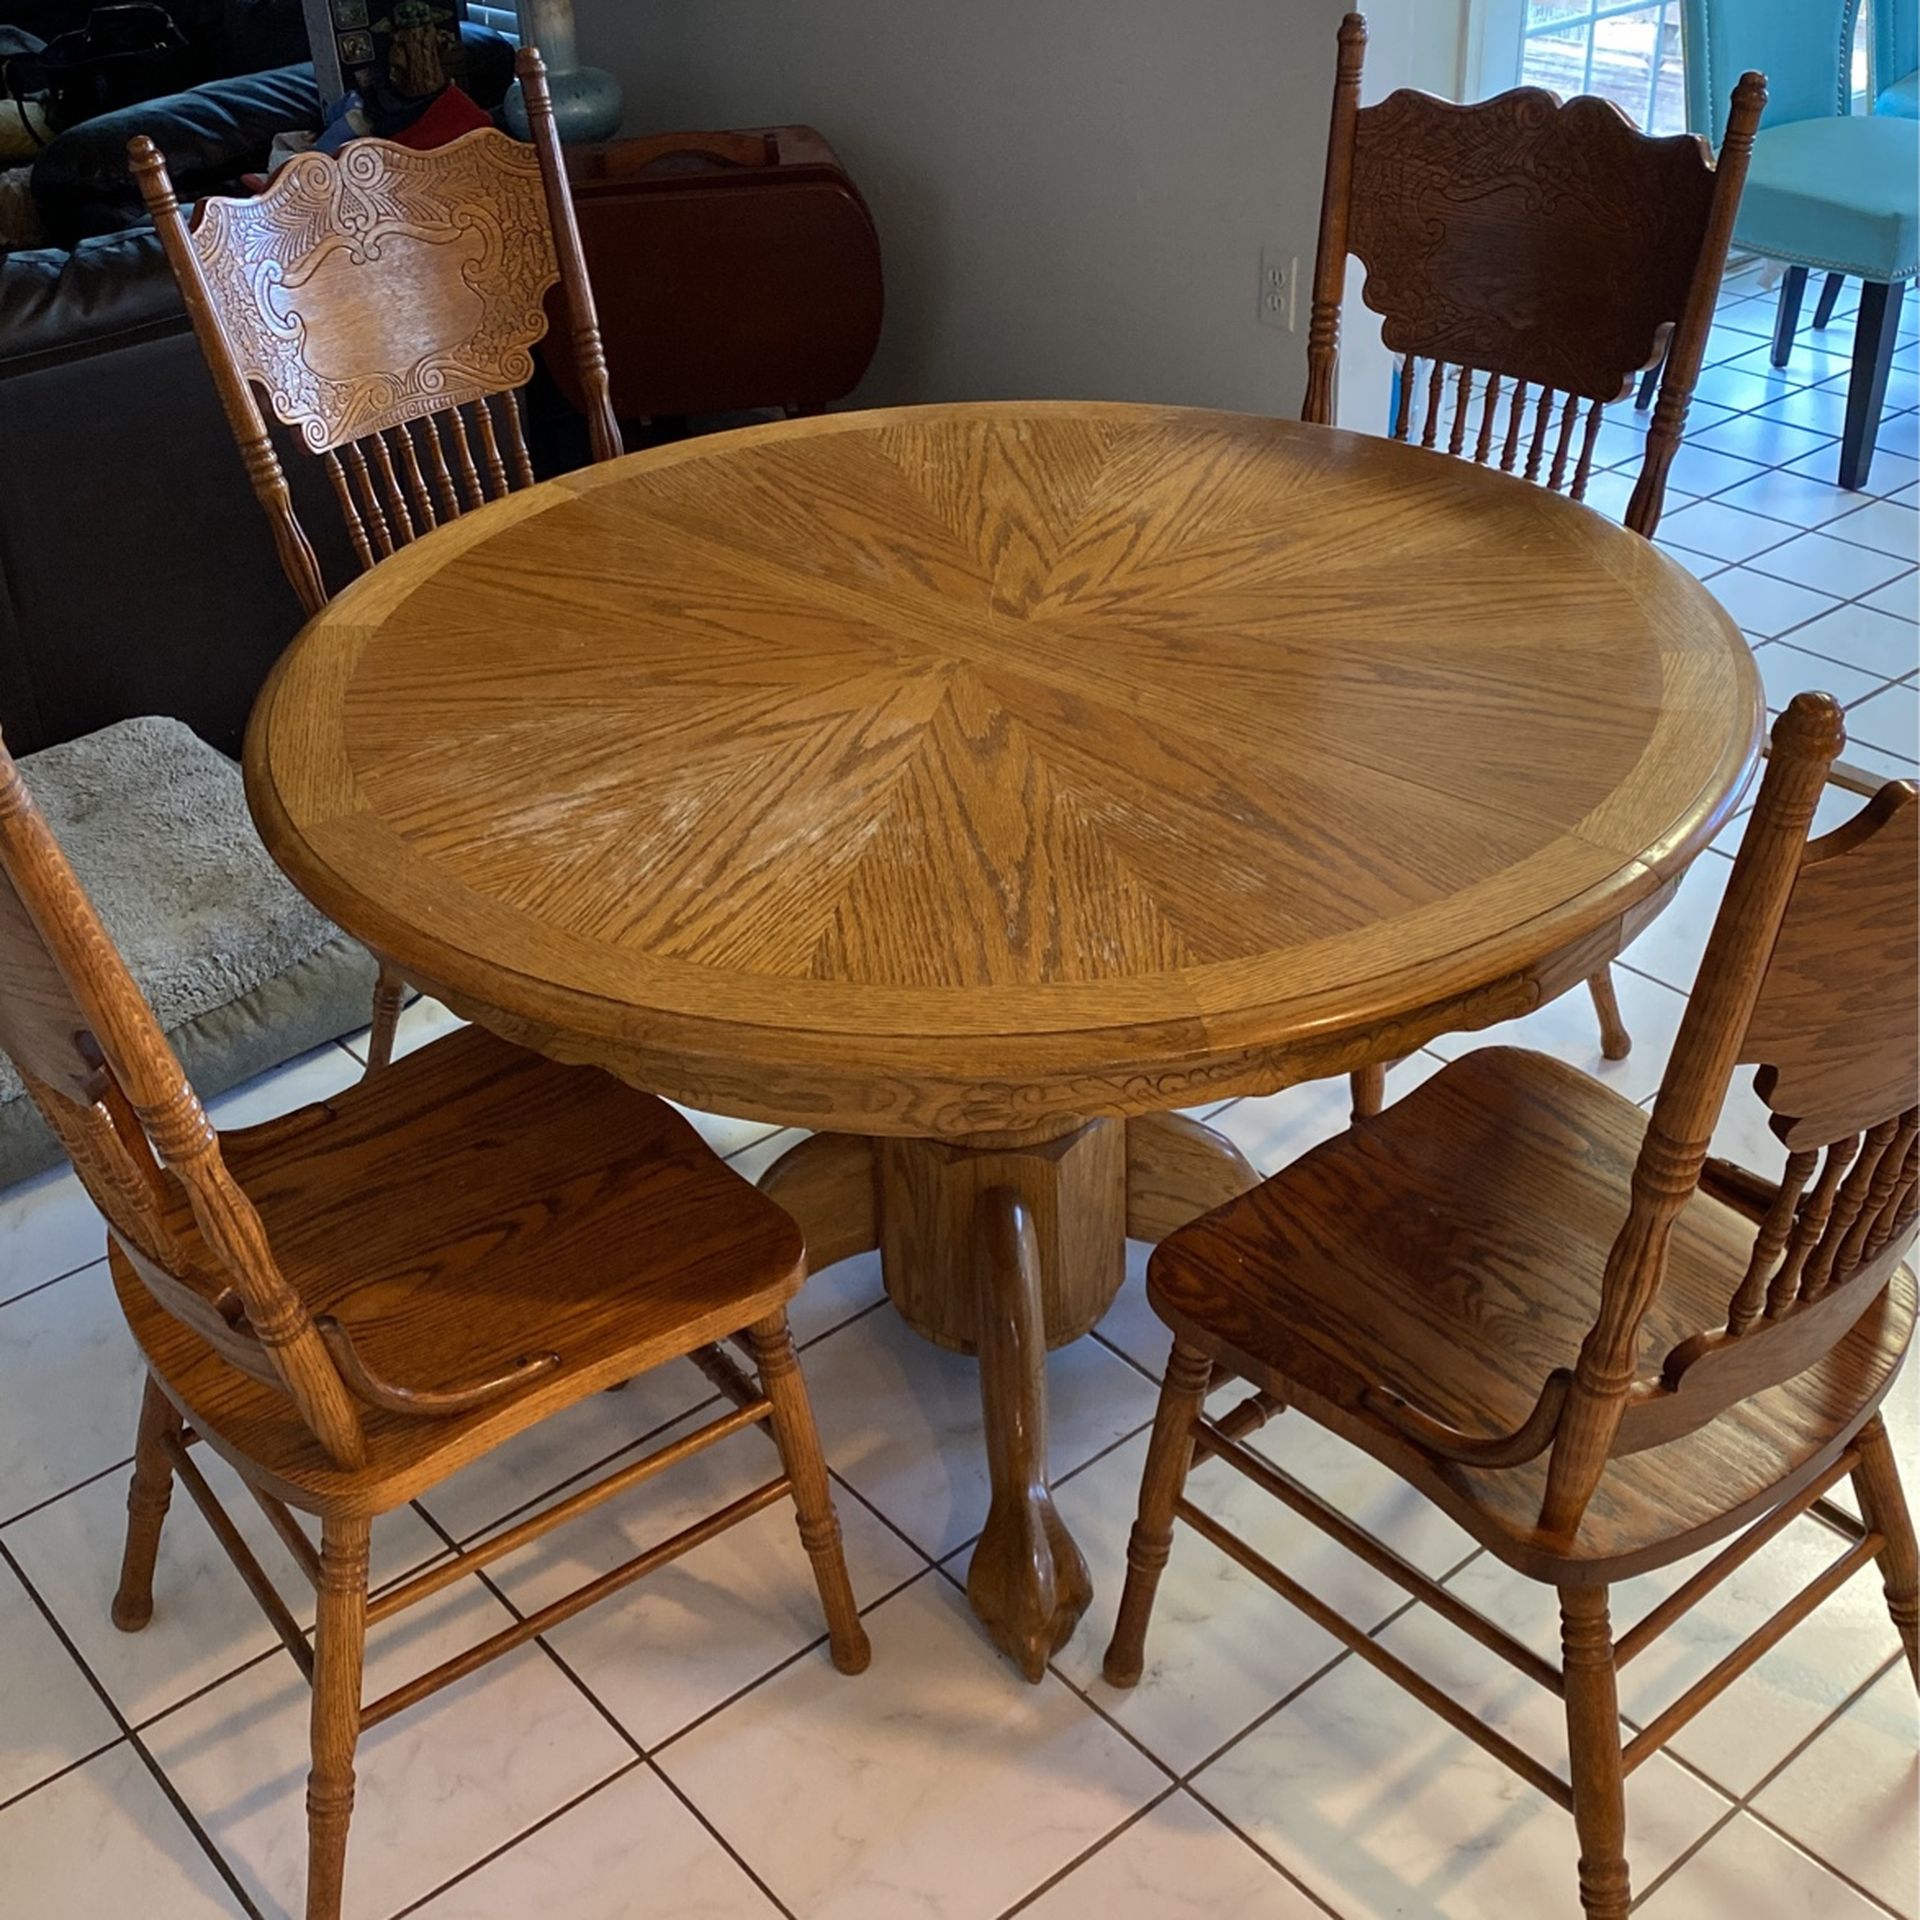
{"x": 123, "y": 55}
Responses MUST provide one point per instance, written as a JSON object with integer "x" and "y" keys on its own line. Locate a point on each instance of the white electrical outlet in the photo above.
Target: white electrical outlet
{"x": 1279, "y": 275}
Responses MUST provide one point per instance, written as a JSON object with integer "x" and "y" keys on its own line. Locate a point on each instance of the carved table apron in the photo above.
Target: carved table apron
{"x": 979, "y": 785}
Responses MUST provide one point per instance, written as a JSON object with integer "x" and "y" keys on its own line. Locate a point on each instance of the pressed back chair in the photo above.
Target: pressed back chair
{"x": 352, "y": 1302}
{"x": 1594, "y": 1346}
{"x": 385, "y": 302}
{"x": 1528, "y": 258}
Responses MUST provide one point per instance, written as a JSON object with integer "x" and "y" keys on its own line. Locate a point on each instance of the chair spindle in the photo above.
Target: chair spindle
{"x": 1436, "y": 397}
{"x": 1489, "y": 402}
{"x": 356, "y": 527}
{"x": 1582, "y": 472}
{"x": 1462, "y": 406}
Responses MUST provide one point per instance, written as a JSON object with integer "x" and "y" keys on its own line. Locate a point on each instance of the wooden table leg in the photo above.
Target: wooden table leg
{"x": 1178, "y": 1169}
{"x": 1028, "y": 1581}
{"x": 1005, "y": 1246}
{"x": 828, "y": 1184}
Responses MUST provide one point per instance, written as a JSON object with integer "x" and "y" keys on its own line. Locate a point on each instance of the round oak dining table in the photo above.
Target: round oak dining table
{"x": 979, "y": 785}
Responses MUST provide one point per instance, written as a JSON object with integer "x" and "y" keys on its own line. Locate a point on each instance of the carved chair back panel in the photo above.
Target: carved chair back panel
{"x": 1527, "y": 259}
{"x": 1835, "y": 1028}
{"x": 385, "y": 302}
{"x": 365, "y": 290}
{"x": 1547, "y": 243}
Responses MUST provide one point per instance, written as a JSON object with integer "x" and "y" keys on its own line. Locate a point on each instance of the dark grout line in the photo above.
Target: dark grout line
{"x": 641, "y": 1755}
{"x": 526, "y": 1833}
{"x": 899, "y": 1532}
{"x": 1743, "y": 1803}
{"x": 60, "y": 1772}
{"x": 483, "y": 1578}
{"x": 40, "y": 1286}
{"x": 40, "y": 1506}
{"x": 721, "y": 1840}
{"x": 188, "y": 1818}
{"x": 1080, "y": 1859}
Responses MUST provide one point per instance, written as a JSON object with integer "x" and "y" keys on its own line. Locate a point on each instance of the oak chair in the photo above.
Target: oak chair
{"x": 386, "y": 303}
{"x": 1528, "y": 258}
{"x": 1598, "y": 1349}
{"x": 350, "y": 1303}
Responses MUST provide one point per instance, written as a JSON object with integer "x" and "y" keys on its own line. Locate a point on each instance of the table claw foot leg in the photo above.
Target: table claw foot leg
{"x": 1028, "y": 1582}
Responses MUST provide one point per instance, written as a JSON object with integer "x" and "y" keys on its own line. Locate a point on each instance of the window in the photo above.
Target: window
{"x": 1629, "y": 54}
{"x": 1627, "y": 51}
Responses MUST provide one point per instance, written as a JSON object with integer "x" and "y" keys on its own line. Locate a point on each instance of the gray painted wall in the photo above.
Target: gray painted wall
{"x": 1072, "y": 195}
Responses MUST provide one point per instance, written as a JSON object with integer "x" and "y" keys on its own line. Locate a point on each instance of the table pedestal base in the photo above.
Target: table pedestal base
{"x": 1005, "y": 1245}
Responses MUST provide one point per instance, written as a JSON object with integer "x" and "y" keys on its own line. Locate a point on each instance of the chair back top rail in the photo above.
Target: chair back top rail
{"x": 385, "y": 302}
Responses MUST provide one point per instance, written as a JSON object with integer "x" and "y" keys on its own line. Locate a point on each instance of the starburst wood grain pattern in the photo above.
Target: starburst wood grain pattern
{"x": 989, "y": 767}
{"x": 973, "y": 776}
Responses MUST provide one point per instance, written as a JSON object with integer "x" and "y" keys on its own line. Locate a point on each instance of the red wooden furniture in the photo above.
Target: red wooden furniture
{"x": 734, "y": 270}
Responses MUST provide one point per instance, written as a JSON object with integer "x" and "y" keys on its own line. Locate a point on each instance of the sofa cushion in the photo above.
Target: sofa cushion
{"x": 60, "y": 304}
{"x": 241, "y": 972}
{"x": 1843, "y": 194}
{"x": 210, "y": 135}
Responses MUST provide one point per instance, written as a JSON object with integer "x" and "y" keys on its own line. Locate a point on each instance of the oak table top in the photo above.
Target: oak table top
{"x": 931, "y": 771}
{"x": 976, "y": 784}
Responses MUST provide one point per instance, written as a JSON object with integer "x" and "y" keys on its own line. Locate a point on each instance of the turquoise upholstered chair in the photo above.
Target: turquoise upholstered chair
{"x": 1896, "y": 55}
{"x": 1896, "y": 90}
{"x": 1827, "y": 188}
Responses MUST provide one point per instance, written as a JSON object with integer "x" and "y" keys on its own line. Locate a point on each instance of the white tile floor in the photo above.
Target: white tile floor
{"x": 686, "y": 1752}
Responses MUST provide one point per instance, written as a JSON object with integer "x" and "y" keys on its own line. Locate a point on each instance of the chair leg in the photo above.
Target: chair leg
{"x": 1786, "y": 319}
{"x": 1169, "y": 1454}
{"x": 389, "y": 993}
{"x": 799, "y": 1442}
{"x": 1369, "y": 1091}
{"x": 1884, "y": 1507}
{"x": 148, "y": 1498}
{"x": 1829, "y": 299}
{"x": 1873, "y": 338}
{"x": 339, "y": 1649}
{"x": 1593, "y": 1740}
{"x": 1615, "y": 1041}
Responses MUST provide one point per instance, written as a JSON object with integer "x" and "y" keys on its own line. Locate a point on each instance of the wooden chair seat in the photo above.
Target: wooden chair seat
{"x": 1451, "y": 1251}
{"x": 504, "y": 1206}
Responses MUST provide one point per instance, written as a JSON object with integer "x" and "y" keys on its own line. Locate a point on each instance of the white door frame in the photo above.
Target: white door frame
{"x": 1492, "y": 45}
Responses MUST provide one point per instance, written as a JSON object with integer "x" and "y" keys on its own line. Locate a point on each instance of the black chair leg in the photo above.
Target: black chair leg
{"x": 1792, "y": 290}
{"x": 1873, "y": 337}
{"x": 1829, "y": 299}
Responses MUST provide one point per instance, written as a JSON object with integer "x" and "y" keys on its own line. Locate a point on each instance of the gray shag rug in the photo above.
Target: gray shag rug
{"x": 242, "y": 972}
